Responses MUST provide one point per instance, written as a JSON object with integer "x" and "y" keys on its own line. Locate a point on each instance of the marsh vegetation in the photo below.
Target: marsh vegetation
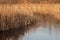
{"x": 19, "y": 18}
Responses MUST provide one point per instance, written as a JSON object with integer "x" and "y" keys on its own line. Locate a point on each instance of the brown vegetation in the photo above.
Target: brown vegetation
{"x": 28, "y": 1}
{"x": 15, "y": 21}
{"x": 22, "y": 15}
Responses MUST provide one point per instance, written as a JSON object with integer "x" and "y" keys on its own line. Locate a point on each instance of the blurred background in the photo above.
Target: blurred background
{"x": 28, "y": 1}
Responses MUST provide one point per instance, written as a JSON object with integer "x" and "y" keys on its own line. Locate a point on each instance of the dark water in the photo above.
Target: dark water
{"x": 40, "y": 32}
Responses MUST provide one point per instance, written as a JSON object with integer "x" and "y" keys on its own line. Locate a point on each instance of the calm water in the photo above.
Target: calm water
{"x": 41, "y": 32}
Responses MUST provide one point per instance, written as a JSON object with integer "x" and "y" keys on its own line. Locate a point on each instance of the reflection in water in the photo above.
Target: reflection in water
{"x": 39, "y": 33}
{"x": 11, "y": 35}
{"x": 48, "y": 28}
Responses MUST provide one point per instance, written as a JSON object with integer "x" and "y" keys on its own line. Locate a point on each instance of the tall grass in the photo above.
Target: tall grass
{"x": 19, "y": 1}
{"x": 21, "y": 15}
{"x": 16, "y": 20}
{"x": 28, "y": 1}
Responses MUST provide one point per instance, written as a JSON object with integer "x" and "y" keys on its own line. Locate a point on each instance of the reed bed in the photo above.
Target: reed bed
{"x": 23, "y": 15}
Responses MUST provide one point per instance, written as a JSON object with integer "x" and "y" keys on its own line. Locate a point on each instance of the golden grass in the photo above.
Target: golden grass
{"x": 21, "y": 15}
{"x": 28, "y": 9}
